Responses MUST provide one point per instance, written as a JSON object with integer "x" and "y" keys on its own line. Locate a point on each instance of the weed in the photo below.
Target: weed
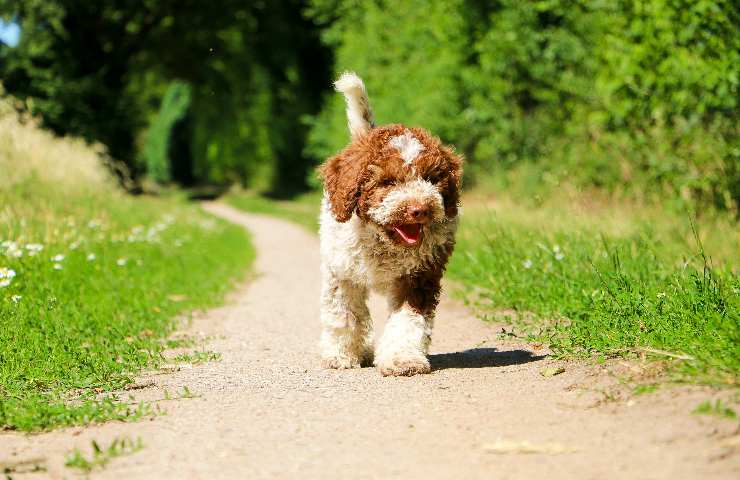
{"x": 198, "y": 357}
{"x": 184, "y": 393}
{"x": 646, "y": 388}
{"x": 101, "y": 456}
{"x": 716, "y": 408}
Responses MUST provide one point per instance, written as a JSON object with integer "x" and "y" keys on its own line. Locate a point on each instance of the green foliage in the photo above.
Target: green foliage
{"x": 100, "y": 70}
{"x": 629, "y": 96}
{"x": 408, "y": 53}
{"x": 156, "y": 152}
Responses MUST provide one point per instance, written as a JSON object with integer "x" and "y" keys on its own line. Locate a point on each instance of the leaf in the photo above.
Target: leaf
{"x": 551, "y": 371}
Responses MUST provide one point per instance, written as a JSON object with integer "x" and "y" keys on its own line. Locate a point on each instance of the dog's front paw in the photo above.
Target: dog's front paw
{"x": 341, "y": 362}
{"x": 404, "y": 366}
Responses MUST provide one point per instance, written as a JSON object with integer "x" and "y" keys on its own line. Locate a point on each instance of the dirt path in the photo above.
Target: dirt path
{"x": 267, "y": 410}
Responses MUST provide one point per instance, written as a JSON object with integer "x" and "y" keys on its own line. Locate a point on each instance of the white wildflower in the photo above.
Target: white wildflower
{"x": 91, "y": 257}
{"x": 6, "y": 276}
{"x": 93, "y": 224}
{"x": 559, "y": 256}
{"x": 74, "y": 245}
{"x": 58, "y": 266}
{"x": 34, "y": 248}
{"x": 527, "y": 264}
{"x": 121, "y": 262}
{"x": 7, "y": 273}
{"x": 16, "y": 298}
{"x": 57, "y": 258}
{"x": 12, "y": 249}
{"x": 661, "y": 295}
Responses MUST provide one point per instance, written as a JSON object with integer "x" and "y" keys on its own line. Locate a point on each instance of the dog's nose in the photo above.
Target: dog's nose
{"x": 417, "y": 212}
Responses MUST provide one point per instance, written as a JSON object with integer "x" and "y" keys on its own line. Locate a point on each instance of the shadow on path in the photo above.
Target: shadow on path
{"x": 482, "y": 358}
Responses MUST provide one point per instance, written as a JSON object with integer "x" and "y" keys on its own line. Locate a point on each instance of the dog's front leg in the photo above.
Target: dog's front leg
{"x": 402, "y": 351}
{"x": 347, "y": 337}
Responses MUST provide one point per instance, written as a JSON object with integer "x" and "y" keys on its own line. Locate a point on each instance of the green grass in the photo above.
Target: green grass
{"x": 716, "y": 408}
{"x": 303, "y": 210}
{"x": 587, "y": 291}
{"x": 75, "y": 329}
{"x": 100, "y": 456}
{"x": 198, "y": 357}
{"x": 92, "y": 281}
{"x": 600, "y": 277}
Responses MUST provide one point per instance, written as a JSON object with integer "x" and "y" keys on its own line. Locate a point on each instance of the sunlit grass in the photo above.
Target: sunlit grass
{"x": 303, "y": 210}
{"x": 92, "y": 281}
{"x": 585, "y": 292}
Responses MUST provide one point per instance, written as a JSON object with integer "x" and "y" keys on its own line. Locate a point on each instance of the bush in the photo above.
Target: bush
{"x": 630, "y": 96}
{"x": 156, "y": 151}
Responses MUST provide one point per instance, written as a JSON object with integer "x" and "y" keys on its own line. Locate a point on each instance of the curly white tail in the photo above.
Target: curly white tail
{"x": 359, "y": 114}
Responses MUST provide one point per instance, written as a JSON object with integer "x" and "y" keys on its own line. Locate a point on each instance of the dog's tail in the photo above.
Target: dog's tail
{"x": 359, "y": 115}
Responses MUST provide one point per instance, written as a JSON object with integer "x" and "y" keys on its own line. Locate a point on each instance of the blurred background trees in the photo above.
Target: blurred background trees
{"x": 634, "y": 97}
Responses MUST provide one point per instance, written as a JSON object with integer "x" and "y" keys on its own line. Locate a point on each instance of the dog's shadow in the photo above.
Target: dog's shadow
{"x": 482, "y": 358}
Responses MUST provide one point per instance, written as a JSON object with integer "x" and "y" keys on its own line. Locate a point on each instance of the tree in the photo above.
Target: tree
{"x": 99, "y": 70}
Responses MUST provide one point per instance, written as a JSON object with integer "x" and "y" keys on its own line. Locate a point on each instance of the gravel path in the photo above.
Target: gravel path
{"x": 267, "y": 410}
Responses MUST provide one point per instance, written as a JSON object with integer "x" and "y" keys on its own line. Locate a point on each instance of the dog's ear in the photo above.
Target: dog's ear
{"x": 452, "y": 184}
{"x": 342, "y": 176}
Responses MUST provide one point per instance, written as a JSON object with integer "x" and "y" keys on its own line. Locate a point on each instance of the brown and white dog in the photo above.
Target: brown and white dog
{"x": 388, "y": 221}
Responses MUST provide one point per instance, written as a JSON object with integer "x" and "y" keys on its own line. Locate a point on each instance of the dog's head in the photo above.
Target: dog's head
{"x": 400, "y": 179}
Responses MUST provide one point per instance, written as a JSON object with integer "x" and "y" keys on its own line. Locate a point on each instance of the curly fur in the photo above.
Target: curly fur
{"x": 387, "y": 177}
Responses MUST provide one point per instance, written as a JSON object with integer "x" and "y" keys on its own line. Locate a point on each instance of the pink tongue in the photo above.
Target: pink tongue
{"x": 410, "y": 233}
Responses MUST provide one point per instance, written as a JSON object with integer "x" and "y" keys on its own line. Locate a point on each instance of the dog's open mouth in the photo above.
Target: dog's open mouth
{"x": 408, "y": 234}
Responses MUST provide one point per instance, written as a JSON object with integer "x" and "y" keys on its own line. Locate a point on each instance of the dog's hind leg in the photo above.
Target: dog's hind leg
{"x": 347, "y": 335}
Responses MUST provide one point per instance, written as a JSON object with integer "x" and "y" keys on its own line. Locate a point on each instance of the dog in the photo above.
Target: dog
{"x": 388, "y": 219}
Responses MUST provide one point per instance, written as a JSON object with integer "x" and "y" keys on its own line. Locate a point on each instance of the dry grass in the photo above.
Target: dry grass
{"x": 30, "y": 153}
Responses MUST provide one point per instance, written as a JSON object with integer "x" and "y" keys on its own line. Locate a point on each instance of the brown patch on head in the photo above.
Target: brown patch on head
{"x": 361, "y": 175}
{"x": 439, "y": 165}
{"x": 341, "y": 174}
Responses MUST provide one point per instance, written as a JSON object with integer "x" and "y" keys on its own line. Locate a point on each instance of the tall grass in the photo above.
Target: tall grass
{"x": 588, "y": 290}
{"x": 29, "y": 154}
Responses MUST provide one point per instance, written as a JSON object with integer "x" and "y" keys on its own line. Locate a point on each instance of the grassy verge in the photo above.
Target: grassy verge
{"x": 593, "y": 283}
{"x": 303, "y": 210}
{"x": 597, "y": 277}
{"x": 92, "y": 280}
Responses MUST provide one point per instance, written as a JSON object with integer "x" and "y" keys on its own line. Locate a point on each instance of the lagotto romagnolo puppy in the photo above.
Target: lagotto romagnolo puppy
{"x": 388, "y": 221}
